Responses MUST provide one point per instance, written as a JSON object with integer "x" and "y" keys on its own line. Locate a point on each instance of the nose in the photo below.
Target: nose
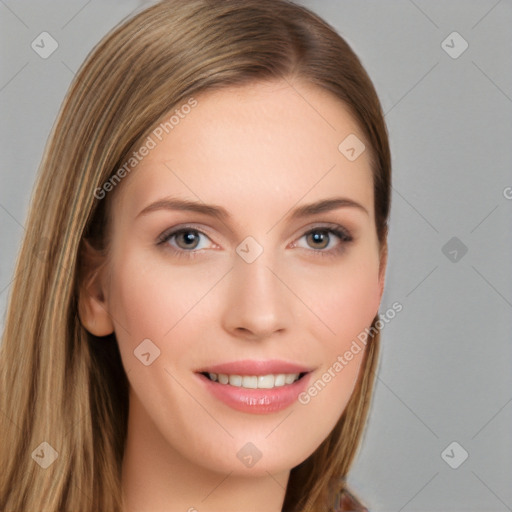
{"x": 258, "y": 304}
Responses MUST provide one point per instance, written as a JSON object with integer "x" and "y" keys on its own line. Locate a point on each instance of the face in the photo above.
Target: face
{"x": 244, "y": 256}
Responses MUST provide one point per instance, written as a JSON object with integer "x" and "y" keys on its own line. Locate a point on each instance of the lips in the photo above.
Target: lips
{"x": 254, "y": 367}
{"x": 258, "y": 387}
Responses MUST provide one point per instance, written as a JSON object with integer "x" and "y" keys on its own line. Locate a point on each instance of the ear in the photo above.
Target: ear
{"x": 92, "y": 306}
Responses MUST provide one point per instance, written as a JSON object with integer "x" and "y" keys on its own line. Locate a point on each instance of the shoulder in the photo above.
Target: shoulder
{"x": 349, "y": 503}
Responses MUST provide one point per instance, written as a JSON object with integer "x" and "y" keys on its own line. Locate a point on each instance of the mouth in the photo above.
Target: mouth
{"x": 269, "y": 381}
{"x": 257, "y": 387}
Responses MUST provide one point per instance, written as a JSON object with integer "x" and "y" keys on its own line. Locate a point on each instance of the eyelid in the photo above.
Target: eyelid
{"x": 344, "y": 235}
{"x": 325, "y": 226}
{"x": 340, "y": 232}
{"x": 169, "y": 232}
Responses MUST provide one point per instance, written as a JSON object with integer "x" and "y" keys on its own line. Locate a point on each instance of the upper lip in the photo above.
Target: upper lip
{"x": 254, "y": 367}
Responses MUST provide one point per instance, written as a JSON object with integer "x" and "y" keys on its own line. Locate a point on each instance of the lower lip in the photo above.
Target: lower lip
{"x": 256, "y": 401}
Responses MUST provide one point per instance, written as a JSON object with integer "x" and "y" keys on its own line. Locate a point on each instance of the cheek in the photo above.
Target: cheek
{"x": 352, "y": 305}
{"x": 347, "y": 303}
{"x": 148, "y": 298}
{"x": 345, "y": 299}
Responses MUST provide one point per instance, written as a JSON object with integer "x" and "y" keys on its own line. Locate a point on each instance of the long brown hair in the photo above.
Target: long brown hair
{"x": 61, "y": 385}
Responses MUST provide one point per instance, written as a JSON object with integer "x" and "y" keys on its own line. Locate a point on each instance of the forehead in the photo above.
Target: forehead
{"x": 253, "y": 146}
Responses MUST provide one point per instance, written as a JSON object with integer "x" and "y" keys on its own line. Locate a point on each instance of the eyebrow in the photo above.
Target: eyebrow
{"x": 326, "y": 205}
{"x": 218, "y": 212}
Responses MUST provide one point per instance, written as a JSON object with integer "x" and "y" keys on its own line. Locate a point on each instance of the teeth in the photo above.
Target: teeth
{"x": 288, "y": 379}
{"x": 280, "y": 380}
{"x": 234, "y": 380}
{"x": 255, "y": 381}
{"x": 266, "y": 381}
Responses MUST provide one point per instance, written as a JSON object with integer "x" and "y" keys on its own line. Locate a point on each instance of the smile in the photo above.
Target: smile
{"x": 255, "y": 386}
{"x": 255, "y": 381}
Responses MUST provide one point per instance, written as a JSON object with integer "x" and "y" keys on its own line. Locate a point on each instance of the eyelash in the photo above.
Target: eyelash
{"x": 341, "y": 233}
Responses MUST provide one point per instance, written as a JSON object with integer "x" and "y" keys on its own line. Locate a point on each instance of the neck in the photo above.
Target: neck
{"x": 157, "y": 478}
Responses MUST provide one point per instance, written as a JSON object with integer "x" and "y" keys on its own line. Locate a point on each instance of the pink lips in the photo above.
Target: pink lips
{"x": 251, "y": 367}
{"x": 256, "y": 401}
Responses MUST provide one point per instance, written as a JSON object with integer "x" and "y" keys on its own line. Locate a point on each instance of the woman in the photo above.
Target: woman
{"x": 192, "y": 326}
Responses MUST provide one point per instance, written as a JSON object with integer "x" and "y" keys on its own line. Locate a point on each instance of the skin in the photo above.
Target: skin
{"x": 258, "y": 151}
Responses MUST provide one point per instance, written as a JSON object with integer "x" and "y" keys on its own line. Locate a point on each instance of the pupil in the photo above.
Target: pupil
{"x": 189, "y": 239}
{"x": 320, "y": 238}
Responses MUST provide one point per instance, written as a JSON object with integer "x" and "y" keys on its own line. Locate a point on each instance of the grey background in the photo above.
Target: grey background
{"x": 445, "y": 372}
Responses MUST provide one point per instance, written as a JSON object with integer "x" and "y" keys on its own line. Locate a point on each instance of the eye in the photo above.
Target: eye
{"x": 325, "y": 239}
{"x": 185, "y": 239}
